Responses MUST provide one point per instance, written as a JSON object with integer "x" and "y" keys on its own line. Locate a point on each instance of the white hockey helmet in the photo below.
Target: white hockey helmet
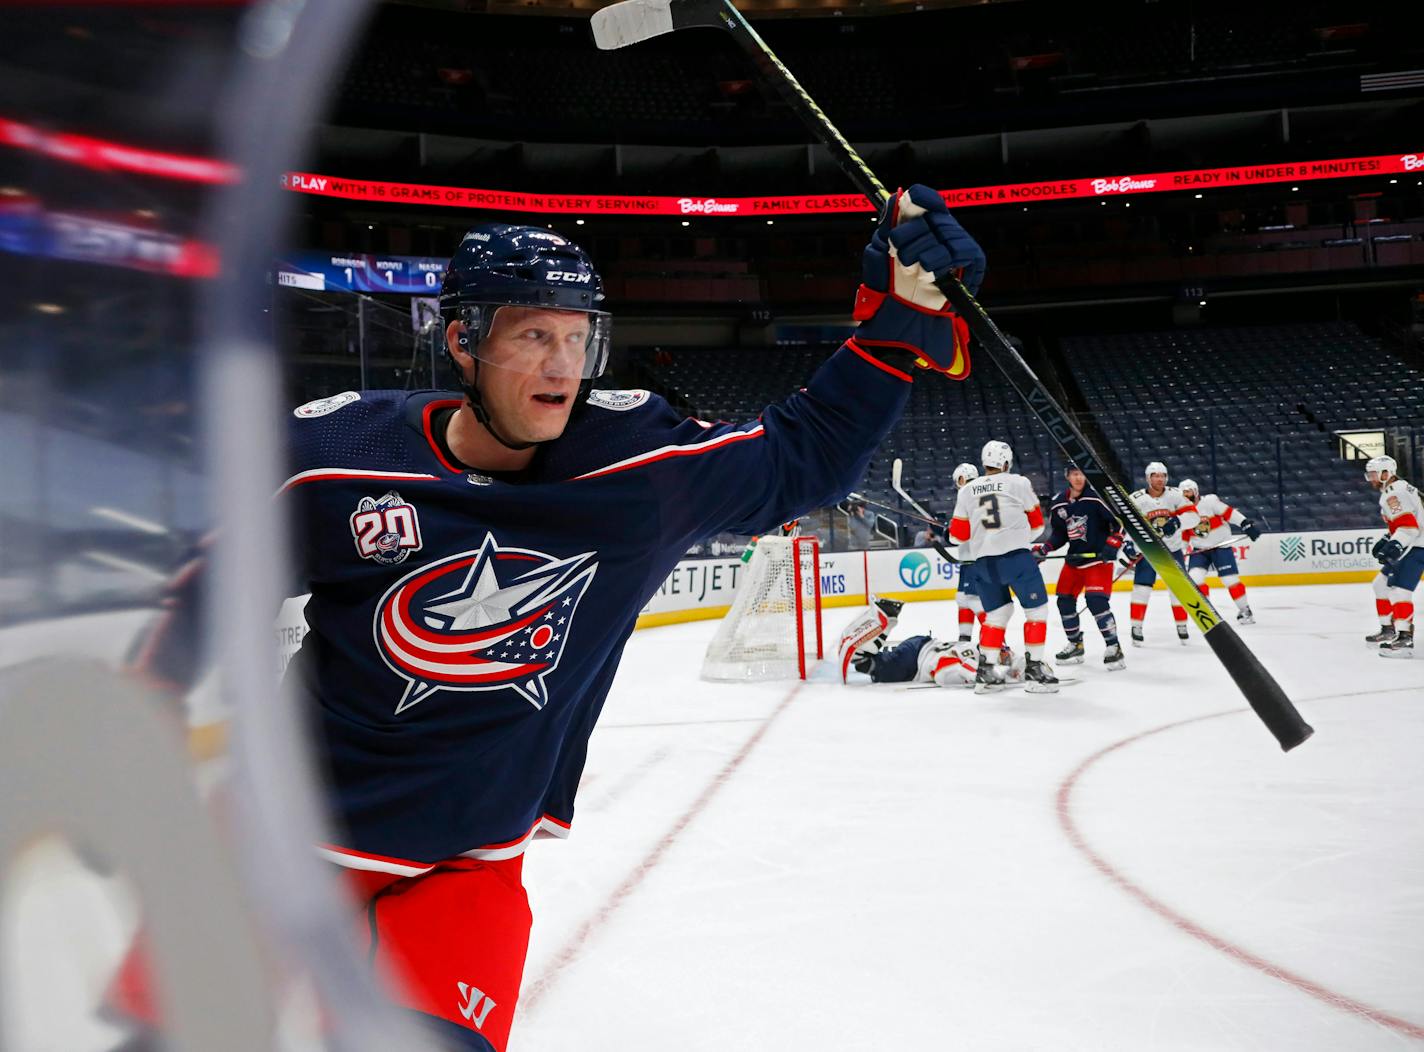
{"x": 966, "y": 472}
{"x": 996, "y": 455}
{"x": 1189, "y": 484}
{"x": 1381, "y": 464}
{"x": 1154, "y": 468}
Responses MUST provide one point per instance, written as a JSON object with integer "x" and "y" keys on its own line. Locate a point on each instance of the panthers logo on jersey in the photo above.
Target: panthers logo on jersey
{"x": 490, "y": 619}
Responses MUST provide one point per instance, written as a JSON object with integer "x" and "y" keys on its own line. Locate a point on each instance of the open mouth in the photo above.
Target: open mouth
{"x": 551, "y": 398}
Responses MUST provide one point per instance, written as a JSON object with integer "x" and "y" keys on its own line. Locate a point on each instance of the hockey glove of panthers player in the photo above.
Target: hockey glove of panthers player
{"x": 1252, "y": 531}
{"x": 901, "y": 312}
{"x": 1388, "y": 551}
{"x": 1170, "y": 527}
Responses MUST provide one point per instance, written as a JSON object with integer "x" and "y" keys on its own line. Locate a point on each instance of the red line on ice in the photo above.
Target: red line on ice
{"x": 1190, "y": 927}
{"x": 631, "y": 883}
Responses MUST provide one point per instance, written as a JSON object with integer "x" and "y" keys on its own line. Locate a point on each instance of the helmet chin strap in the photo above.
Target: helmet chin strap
{"x": 477, "y": 404}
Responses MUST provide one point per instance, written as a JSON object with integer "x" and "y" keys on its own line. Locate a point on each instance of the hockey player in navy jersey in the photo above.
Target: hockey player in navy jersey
{"x": 477, "y": 560}
{"x": 1080, "y": 519}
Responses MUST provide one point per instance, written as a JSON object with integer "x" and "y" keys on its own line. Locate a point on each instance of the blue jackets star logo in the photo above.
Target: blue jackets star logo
{"x": 491, "y": 619}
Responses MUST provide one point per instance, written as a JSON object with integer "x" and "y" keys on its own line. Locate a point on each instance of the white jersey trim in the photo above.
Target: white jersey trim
{"x": 321, "y": 474}
{"x": 663, "y": 452}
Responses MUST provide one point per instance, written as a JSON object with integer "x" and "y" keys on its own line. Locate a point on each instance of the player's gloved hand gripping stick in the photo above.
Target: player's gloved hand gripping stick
{"x": 632, "y": 21}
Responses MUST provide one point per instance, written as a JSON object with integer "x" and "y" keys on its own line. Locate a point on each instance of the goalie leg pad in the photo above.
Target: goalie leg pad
{"x": 865, "y": 634}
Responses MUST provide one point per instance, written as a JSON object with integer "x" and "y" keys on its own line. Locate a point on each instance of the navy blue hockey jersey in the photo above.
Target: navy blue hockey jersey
{"x": 465, "y": 630}
{"x": 1086, "y": 525}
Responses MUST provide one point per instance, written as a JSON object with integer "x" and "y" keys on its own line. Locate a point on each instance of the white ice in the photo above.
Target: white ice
{"x": 808, "y": 867}
{"x": 804, "y": 867}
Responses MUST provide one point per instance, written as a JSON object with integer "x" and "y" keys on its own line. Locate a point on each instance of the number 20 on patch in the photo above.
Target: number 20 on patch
{"x": 385, "y": 529}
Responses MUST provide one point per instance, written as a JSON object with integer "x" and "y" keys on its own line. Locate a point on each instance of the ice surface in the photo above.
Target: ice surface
{"x": 802, "y": 867}
{"x": 795, "y": 868}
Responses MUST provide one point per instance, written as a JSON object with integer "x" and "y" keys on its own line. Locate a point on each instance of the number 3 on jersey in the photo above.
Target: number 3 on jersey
{"x": 991, "y": 519}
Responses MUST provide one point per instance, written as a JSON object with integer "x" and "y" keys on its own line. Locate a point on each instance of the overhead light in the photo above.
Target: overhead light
{"x": 50, "y": 308}
{"x": 370, "y": 226}
{"x": 687, "y": 222}
{"x": 1103, "y": 203}
{"x": 1201, "y": 303}
{"x": 579, "y": 222}
{"x": 770, "y": 222}
{"x": 1393, "y": 181}
{"x": 1295, "y": 189}
{"x": 1025, "y": 208}
{"x": 1197, "y": 196}
{"x": 1127, "y": 204}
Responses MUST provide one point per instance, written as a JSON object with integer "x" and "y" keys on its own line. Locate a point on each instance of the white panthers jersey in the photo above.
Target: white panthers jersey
{"x": 1157, "y": 510}
{"x": 997, "y": 514}
{"x": 1214, "y": 528}
{"x": 1403, "y": 512}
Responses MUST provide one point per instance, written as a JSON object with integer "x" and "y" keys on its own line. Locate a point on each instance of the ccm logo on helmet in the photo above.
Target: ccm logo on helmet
{"x": 569, "y": 275}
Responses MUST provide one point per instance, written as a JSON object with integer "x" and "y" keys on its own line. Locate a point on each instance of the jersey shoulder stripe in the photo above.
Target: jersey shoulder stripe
{"x": 691, "y": 449}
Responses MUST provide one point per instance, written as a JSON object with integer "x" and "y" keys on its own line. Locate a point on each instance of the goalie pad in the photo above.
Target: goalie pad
{"x": 867, "y": 632}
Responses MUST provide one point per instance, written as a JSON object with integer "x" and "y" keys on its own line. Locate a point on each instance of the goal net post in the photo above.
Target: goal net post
{"x": 773, "y": 630}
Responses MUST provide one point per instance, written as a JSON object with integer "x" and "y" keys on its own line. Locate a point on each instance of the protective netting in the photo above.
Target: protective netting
{"x": 773, "y": 630}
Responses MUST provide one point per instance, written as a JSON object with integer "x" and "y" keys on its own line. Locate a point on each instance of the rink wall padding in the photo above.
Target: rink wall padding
{"x": 701, "y": 589}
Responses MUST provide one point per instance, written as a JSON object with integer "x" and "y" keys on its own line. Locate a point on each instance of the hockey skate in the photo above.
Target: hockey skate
{"x": 1386, "y": 634}
{"x": 1072, "y": 654}
{"x": 891, "y": 609}
{"x": 1401, "y": 646}
{"x": 1137, "y": 635}
{"x": 1039, "y": 678}
{"x": 1113, "y": 658}
{"x": 1245, "y": 618}
{"x": 1182, "y": 634}
{"x": 988, "y": 678}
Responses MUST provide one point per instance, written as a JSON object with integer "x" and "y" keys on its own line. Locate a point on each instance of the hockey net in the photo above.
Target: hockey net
{"x": 774, "y": 625}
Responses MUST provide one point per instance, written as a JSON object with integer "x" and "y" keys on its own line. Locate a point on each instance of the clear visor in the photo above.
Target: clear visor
{"x": 540, "y": 341}
{"x": 1373, "y": 475}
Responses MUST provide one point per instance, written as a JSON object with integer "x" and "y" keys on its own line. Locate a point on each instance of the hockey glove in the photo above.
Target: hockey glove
{"x": 1129, "y": 556}
{"x": 1114, "y": 542}
{"x": 1388, "y": 551}
{"x": 898, "y": 306}
{"x": 1250, "y": 529}
{"x": 1170, "y": 527}
{"x": 1040, "y": 552}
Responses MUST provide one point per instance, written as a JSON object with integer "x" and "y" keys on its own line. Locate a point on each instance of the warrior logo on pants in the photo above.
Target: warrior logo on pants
{"x": 492, "y": 619}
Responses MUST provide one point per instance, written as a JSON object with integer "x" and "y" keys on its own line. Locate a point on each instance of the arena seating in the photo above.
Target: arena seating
{"x": 1250, "y": 392}
{"x": 1268, "y": 399}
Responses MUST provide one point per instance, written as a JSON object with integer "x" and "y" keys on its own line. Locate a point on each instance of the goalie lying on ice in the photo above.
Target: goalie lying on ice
{"x": 865, "y": 651}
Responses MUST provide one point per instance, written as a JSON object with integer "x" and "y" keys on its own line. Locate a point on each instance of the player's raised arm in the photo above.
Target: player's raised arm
{"x": 810, "y": 449}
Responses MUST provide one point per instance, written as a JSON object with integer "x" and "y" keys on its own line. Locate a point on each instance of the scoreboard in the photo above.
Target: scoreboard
{"x": 361, "y": 272}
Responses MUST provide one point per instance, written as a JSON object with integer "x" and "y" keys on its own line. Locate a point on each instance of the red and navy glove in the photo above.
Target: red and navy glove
{"x": 898, "y": 306}
{"x": 1040, "y": 552}
{"x": 1114, "y": 542}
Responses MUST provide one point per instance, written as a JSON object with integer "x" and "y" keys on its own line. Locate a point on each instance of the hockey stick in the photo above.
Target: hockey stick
{"x": 897, "y": 469}
{"x": 861, "y": 498}
{"x": 632, "y": 21}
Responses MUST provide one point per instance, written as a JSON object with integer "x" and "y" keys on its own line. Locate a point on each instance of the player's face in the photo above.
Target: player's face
{"x": 1076, "y": 480}
{"x": 1377, "y": 479}
{"x": 1156, "y": 483}
{"x": 531, "y": 364}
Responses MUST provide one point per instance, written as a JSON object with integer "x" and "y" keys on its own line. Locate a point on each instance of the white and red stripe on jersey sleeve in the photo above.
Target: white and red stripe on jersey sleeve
{"x": 1169, "y": 504}
{"x": 1403, "y": 512}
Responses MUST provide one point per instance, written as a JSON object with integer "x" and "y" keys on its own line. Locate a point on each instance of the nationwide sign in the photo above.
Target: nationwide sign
{"x": 1101, "y": 187}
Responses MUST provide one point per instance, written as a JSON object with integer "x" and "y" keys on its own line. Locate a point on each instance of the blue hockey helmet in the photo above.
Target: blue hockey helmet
{"x": 501, "y": 265}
